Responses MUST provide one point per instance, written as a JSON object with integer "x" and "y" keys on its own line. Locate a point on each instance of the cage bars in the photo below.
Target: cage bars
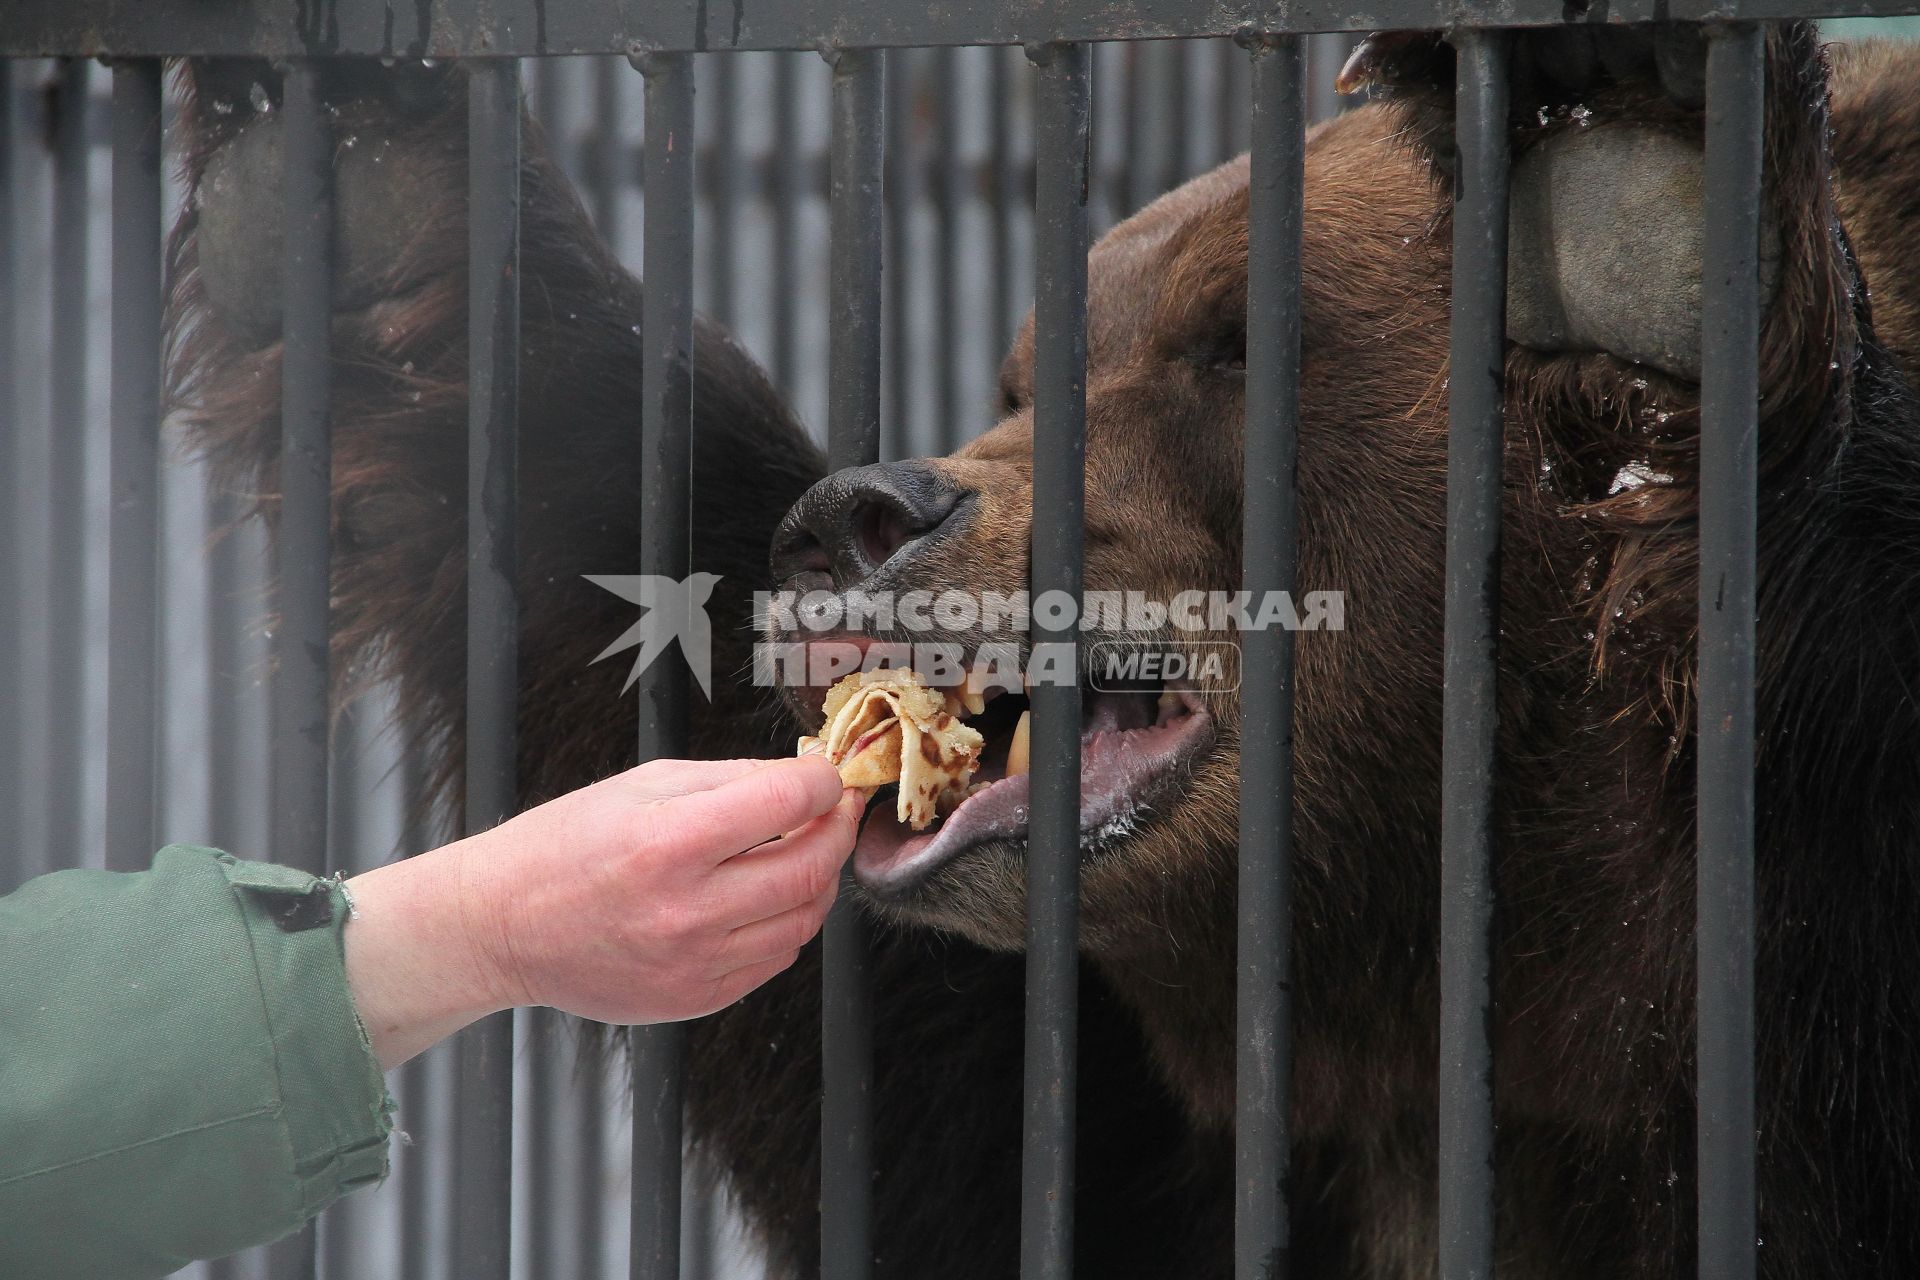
{"x": 1062, "y": 133}
{"x": 1265, "y": 973}
{"x": 134, "y": 469}
{"x": 853, "y": 407}
{"x": 1729, "y": 477}
{"x": 483, "y": 1126}
{"x": 870, "y": 121}
{"x": 1475, "y": 451}
{"x": 666, "y": 428}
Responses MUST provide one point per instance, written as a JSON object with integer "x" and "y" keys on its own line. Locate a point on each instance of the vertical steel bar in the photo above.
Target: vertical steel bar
{"x": 546, "y": 1219}
{"x": 666, "y": 430}
{"x": 1325, "y": 55}
{"x": 1179, "y": 114}
{"x": 853, "y": 439}
{"x": 134, "y": 522}
{"x": 1729, "y": 471}
{"x": 299, "y": 693}
{"x": 483, "y": 1131}
{"x": 1003, "y": 286}
{"x": 415, "y": 1237}
{"x": 589, "y": 1148}
{"x": 415, "y": 1243}
{"x": 297, "y": 832}
{"x": 606, "y": 165}
{"x": 225, "y": 677}
{"x": 548, "y": 94}
{"x": 788, "y": 192}
{"x": 1474, "y": 453}
{"x": 950, "y": 191}
{"x": 1062, "y": 142}
{"x": 12, "y": 537}
{"x": 342, "y": 1229}
{"x": 546, "y": 1211}
{"x": 1265, "y": 990}
{"x": 723, "y": 180}
{"x": 67, "y": 425}
{"x": 901, "y": 197}
{"x": 1145, "y": 129}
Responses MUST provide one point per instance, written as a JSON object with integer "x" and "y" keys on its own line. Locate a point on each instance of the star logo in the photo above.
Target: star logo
{"x": 675, "y": 610}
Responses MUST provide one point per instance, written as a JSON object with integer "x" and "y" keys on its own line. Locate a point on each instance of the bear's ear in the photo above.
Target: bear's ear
{"x": 1201, "y": 314}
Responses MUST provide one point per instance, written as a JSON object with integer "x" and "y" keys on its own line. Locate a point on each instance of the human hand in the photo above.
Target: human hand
{"x": 662, "y": 893}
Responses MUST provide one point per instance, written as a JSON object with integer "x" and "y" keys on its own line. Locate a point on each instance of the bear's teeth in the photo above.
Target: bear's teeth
{"x": 1017, "y": 750}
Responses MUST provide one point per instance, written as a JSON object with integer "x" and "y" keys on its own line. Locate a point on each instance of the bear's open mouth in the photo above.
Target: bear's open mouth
{"x": 1133, "y": 743}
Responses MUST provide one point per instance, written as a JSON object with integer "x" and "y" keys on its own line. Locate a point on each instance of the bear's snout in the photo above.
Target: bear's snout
{"x": 854, "y": 521}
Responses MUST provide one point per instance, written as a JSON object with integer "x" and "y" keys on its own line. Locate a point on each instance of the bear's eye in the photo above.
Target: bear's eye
{"x": 1011, "y": 400}
{"x": 1227, "y": 352}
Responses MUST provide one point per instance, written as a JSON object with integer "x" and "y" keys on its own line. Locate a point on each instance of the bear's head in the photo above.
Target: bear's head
{"x": 1166, "y": 399}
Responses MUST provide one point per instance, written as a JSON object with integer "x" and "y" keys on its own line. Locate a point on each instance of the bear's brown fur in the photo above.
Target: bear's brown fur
{"x": 1596, "y": 757}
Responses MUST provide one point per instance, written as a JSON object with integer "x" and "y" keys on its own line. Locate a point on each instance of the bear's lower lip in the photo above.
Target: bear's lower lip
{"x": 1120, "y": 771}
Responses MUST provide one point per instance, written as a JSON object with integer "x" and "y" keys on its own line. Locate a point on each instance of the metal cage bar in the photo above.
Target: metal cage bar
{"x": 483, "y": 28}
{"x": 865, "y": 128}
{"x": 300, "y": 757}
{"x": 1264, "y": 995}
{"x": 63, "y": 686}
{"x": 483, "y": 1131}
{"x": 1729, "y": 475}
{"x": 1475, "y": 451}
{"x": 902, "y": 194}
{"x": 589, "y": 1145}
{"x": 856, "y": 177}
{"x": 789, "y": 188}
{"x": 13, "y": 545}
{"x": 1062, "y": 131}
{"x": 547, "y": 1215}
{"x": 666, "y": 432}
{"x": 1003, "y": 285}
{"x": 300, "y": 760}
{"x": 949, "y": 176}
{"x": 722, "y": 179}
{"x": 606, "y": 156}
{"x": 134, "y": 522}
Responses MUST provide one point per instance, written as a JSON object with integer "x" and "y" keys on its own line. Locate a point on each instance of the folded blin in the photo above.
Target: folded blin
{"x": 888, "y": 726}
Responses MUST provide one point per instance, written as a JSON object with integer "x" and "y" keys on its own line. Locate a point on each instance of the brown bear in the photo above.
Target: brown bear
{"x": 1595, "y": 936}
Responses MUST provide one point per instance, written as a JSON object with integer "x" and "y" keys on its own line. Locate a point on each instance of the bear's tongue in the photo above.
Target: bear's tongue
{"x": 1123, "y": 753}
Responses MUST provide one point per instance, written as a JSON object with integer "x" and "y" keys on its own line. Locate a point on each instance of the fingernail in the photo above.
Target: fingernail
{"x": 811, "y": 747}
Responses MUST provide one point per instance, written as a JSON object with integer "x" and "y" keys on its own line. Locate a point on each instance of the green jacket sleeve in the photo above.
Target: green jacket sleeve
{"x": 182, "y": 1073}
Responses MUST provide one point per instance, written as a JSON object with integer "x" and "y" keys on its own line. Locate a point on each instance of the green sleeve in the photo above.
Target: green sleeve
{"x": 182, "y": 1073}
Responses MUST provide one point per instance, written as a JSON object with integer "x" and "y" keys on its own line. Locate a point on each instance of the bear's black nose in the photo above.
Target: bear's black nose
{"x": 854, "y": 521}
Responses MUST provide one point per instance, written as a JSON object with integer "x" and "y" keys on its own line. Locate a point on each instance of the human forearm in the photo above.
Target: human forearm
{"x": 414, "y": 968}
{"x": 660, "y": 894}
